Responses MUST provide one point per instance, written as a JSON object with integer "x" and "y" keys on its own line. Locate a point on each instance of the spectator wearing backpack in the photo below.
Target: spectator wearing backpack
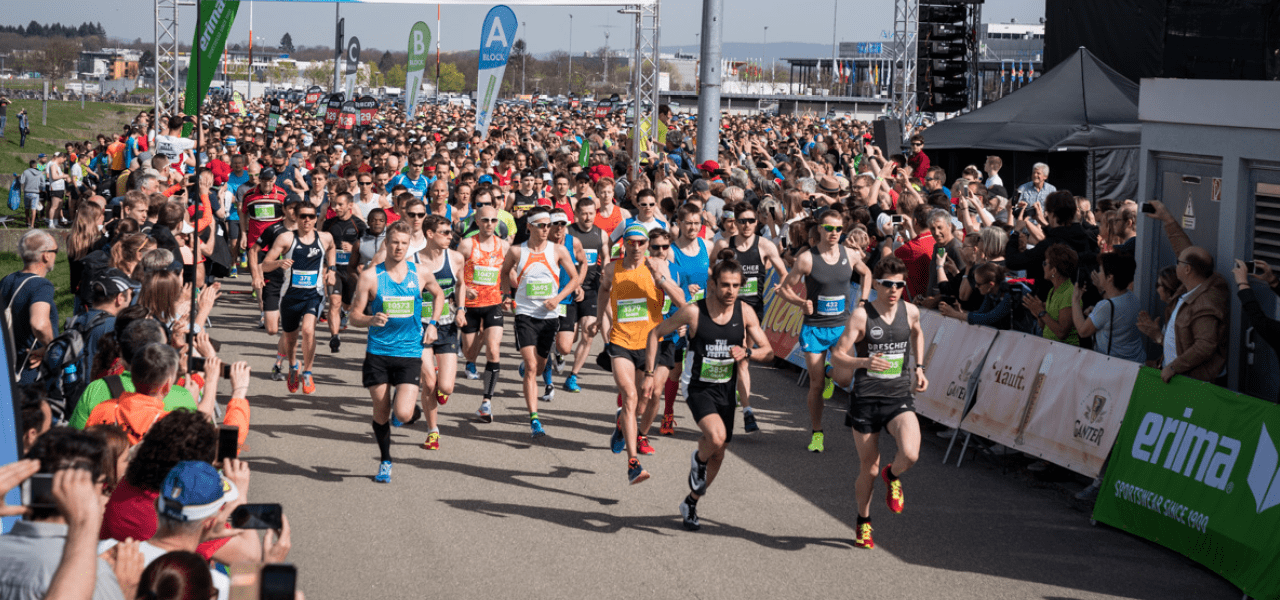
{"x": 133, "y": 337}
{"x": 28, "y": 298}
{"x": 110, "y": 292}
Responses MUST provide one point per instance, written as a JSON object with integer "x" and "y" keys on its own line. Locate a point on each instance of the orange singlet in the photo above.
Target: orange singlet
{"x": 609, "y": 223}
{"x": 637, "y": 306}
{"x": 480, "y": 271}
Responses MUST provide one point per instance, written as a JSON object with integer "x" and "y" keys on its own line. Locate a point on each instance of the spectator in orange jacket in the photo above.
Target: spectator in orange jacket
{"x": 155, "y": 368}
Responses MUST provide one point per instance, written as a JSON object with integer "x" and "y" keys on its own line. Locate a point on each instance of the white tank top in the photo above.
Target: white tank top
{"x": 538, "y": 282}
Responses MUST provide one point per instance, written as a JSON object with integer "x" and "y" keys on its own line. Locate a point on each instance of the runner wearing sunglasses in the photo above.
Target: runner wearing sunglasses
{"x": 884, "y": 332}
{"x": 307, "y": 258}
{"x": 646, "y": 216}
{"x": 483, "y": 254}
{"x": 754, "y": 253}
{"x": 826, "y": 270}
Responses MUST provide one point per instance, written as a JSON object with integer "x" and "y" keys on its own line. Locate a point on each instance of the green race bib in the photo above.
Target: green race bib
{"x": 398, "y": 307}
{"x": 540, "y": 290}
{"x": 485, "y": 275}
{"x": 895, "y": 367}
{"x": 716, "y": 370}
{"x": 264, "y": 211}
{"x": 750, "y": 287}
{"x": 562, "y": 310}
{"x": 636, "y": 309}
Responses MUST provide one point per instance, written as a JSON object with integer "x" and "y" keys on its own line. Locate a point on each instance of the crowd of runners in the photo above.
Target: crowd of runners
{"x": 434, "y": 239}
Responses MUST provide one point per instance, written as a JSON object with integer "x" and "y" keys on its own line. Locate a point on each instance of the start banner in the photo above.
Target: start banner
{"x": 1194, "y": 469}
{"x": 953, "y": 357}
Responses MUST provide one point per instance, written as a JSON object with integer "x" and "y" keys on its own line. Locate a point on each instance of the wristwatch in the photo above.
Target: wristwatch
{"x": 1042, "y": 314}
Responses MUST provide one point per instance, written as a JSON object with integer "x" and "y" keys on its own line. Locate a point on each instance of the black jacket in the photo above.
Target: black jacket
{"x": 1031, "y": 260}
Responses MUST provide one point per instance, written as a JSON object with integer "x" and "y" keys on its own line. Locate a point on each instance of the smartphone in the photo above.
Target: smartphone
{"x": 37, "y": 492}
{"x": 228, "y": 442}
{"x": 1254, "y": 269}
{"x": 258, "y": 516}
{"x": 1148, "y": 207}
{"x": 940, "y": 251}
{"x": 277, "y": 582}
{"x": 197, "y": 364}
{"x": 896, "y": 219}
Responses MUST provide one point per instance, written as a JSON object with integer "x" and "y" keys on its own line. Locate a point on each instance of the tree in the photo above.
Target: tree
{"x": 386, "y": 62}
{"x": 148, "y": 59}
{"x": 451, "y": 79}
{"x": 319, "y": 73}
{"x": 286, "y": 43}
{"x": 59, "y": 57}
{"x": 394, "y": 76}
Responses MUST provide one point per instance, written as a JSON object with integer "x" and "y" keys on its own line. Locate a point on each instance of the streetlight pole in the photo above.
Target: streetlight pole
{"x": 569, "y": 80}
{"x": 764, "y": 46}
{"x": 524, "y": 58}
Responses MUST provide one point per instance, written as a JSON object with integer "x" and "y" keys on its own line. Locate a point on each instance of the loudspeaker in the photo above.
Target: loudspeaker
{"x": 888, "y": 134}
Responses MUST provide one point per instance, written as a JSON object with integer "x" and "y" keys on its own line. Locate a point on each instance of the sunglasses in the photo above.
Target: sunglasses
{"x": 308, "y": 216}
{"x": 489, "y": 220}
{"x": 661, "y": 248}
{"x": 647, "y": 204}
{"x": 417, "y": 215}
{"x": 833, "y": 228}
{"x": 540, "y": 225}
{"x": 366, "y": 183}
{"x": 892, "y": 283}
{"x": 746, "y": 221}
{"x": 418, "y": 165}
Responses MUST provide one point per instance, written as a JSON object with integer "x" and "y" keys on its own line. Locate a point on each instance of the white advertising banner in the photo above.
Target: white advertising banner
{"x": 953, "y": 357}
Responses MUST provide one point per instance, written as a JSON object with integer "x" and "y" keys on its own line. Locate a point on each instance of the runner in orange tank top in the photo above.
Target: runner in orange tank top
{"x": 604, "y": 202}
{"x": 631, "y": 295}
{"x": 484, "y": 253}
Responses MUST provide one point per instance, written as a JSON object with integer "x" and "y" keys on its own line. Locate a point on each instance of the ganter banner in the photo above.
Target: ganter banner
{"x": 1012, "y": 375}
{"x": 1195, "y": 469}
{"x": 419, "y": 50}
{"x": 954, "y": 354}
{"x": 213, "y": 23}
{"x": 496, "y": 37}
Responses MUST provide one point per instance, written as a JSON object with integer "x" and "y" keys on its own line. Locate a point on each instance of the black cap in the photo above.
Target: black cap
{"x": 267, "y": 173}
{"x": 108, "y": 284}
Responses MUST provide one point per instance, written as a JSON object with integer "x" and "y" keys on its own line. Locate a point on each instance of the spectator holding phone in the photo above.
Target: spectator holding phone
{"x": 1113, "y": 323}
{"x": 1268, "y": 328}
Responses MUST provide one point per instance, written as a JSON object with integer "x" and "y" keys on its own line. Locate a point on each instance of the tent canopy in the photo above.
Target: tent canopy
{"x": 1082, "y": 104}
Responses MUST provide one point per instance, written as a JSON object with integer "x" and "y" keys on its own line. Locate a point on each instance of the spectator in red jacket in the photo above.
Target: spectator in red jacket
{"x": 917, "y": 159}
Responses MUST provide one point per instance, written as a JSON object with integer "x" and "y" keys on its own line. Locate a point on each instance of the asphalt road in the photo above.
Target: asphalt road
{"x": 494, "y": 514}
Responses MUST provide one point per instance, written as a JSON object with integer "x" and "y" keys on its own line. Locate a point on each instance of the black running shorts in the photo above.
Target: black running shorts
{"x": 539, "y": 333}
{"x": 871, "y": 415}
{"x": 271, "y": 295}
{"x": 483, "y": 317}
{"x": 394, "y": 370}
{"x": 294, "y": 308}
{"x": 701, "y": 406}
{"x": 568, "y": 320}
{"x": 446, "y": 340}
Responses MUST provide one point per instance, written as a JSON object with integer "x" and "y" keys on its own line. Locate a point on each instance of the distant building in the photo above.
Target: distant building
{"x": 108, "y": 63}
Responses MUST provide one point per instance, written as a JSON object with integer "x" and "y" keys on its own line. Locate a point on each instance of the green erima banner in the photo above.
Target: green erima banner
{"x": 212, "y": 26}
{"x": 1194, "y": 469}
{"x": 419, "y": 45}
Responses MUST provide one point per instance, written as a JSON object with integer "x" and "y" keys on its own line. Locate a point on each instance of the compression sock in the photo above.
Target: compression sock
{"x": 746, "y": 410}
{"x": 491, "y": 370}
{"x": 279, "y": 359}
{"x": 669, "y": 396}
{"x": 888, "y": 471}
{"x": 862, "y": 519}
{"x": 690, "y": 500}
{"x": 382, "y": 433}
{"x": 546, "y": 373}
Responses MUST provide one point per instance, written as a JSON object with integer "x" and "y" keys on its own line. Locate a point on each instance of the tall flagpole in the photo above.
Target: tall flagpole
{"x": 249, "y": 96}
{"x": 437, "y": 53}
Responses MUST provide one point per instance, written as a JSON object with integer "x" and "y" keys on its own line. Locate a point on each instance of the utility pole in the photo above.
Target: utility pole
{"x": 764, "y": 50}
{"x": 248, "y": 96}
{"x": 524, "y": 59}
{"x": 709, "y": 95}
{"x": 339, "y": 30}
{"x": 835, "y": 10}
{"x": 569, "y": 79}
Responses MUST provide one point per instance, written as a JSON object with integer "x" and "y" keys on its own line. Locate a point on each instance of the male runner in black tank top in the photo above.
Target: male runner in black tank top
{"x": 307, "y": 258}
{"x": 756, "y": 255}
{"x": 721, "y": 335}
{"x": 346, "y": 230}
{"x": 440, "y": 358}
{"x": 596, "y": 247}
{"x": 884, "y": 331}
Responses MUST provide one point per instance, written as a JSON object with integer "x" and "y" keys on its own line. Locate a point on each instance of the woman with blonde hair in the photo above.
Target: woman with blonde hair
{"x": 85, "y": 237}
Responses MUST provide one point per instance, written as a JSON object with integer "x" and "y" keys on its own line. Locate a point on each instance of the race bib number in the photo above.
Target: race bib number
{"x": 699, "y": 295}
{"x": 716, "y": 370}
{"x": 895, "y": 367}
{"x": 636, "y": 309}
{"x": 305, "y": 279}
{"x": 485, "y": 275}
{"x": 829, "y": 305}
{"x": 750, "y": 287}
{"x": 666, "y": 305}
{"x": 264, "y": 211}
{"x": 592, "y": 256}
{"x": 562, "y": 310}
{"x": 428, "y": 300}
{"x": 343, "y": 258}
{"x": 540, "y": 289}
{"x": 398, "y": 307}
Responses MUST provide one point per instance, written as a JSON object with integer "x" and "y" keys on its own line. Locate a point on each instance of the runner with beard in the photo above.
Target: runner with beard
{"x": 883, "y": 333}
{"x": 721, "y": 335}
{"x": 592, "y": 239}
{"x": 347, "y": 231}
{"x": 440, "y": 358}
{"x": 690, "y": 263}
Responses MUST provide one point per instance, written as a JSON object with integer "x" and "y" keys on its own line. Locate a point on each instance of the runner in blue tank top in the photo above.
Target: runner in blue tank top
{"x": 393, "y": 362}
{"x": 690, "y": 262}
{"x": 440, "y": 359}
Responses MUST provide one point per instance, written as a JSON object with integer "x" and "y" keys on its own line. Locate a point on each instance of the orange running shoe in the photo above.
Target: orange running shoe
{"x": 864, "y": 537}
{"x": 895, "y": 498}
{"x": 668, "y": 425}
{"x": 308, "y": 384}
{"x": 642, "y": 445}
{"x": 433, "y": 441}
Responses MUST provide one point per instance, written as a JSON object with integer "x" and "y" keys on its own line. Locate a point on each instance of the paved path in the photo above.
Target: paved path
{"x": 493, "y": 514}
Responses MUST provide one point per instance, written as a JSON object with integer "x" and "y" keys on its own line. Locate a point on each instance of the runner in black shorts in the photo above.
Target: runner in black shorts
{"x": 483, "y": 255}
{"x": 568, "y": 309}
{"x": 306, "y": 258}
{"x": 593, "y": 241}
{"x": 884, "y": 332}
{"x": 722, "y": 337}
{"x": 440, "y": 358}
{"x": 270, "y": 284}
{"x": 346, "y": 230}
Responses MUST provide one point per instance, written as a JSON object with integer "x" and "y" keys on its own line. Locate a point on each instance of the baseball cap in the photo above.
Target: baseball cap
{"x": 636, "y": 230}
{"x": 559, "y": 218}
{"x": 267, "y": 173}
{"x": 194, "y": 490}
{"x": 710, "y": 165}
{"x": 41, "y": 155}
{"x": 109, "y": 283}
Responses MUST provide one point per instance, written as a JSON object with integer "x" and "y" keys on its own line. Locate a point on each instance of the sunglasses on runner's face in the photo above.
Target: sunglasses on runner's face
{"x": 660, "y": 248}
{"x": 307, "y": 216}
{"x": 646, "y": 205}
{"x": 489, "y": 220}
{"x": 542, "y": 225}
{"x": 833, "y": 228}
{"x": 746, "y": 221}
{"x": 892, "y": 283}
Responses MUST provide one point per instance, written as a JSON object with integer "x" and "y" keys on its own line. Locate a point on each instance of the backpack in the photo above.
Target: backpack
{"x": 1021, "y": 319}
{"x": 64, "y": 373}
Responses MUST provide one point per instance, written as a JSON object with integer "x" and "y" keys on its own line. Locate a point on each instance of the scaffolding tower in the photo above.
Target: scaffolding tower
{"x": 166, "y": 56}
{"x": 644, "y": 79}
{"x": 906, "y": 27}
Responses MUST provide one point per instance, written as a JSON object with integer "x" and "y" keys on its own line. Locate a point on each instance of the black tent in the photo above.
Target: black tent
{"x": 1081, "y": 118}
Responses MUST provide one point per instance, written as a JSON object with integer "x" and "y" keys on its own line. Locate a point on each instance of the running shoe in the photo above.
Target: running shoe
{"x": 308, "y": 384}
{"x": 276, "y": 374}
{"x": 828, "y": 388}
{"x": 571, "y": 384}
{"x": 864, "y": 537}
{"x": 668, "y": 425}
{"x": 235, "y": 272}
{"x": 293, "y": 378}
{"x": 635, "y": 472}
{"x": 618, "y": 442}
{"x": 485, "y": 412}
{"x": 895, "y": 497}
{"x": 441, "y": 398}
{"x": 642, "y": 445}
{"x": 697, "y": 475}
{"x": 384, "y": 472}
{"x": 548, "y": 392}
{"x": 262, "y": 323}
{"x": 749, "y": 422}
{"x": 1091, "y": 492}
{"x": 560, "y": 364}
{"x": 815, "y": 444}
{"x": 346, "y": 321}
{"x": 433, "y": 441}
{"x": 417, "y": 414}
{"x": 471, "y": 371}
{"x": 335, "y": 342}
{"x": 536, "y": 427}
{"x": 689, "y": 513}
